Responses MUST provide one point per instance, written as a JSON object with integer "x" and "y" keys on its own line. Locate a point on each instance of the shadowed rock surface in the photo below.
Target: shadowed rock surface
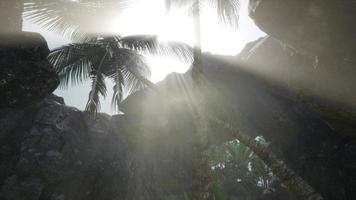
{"x": 322, "y": 31}
{"x": 312, "y": 27}
{"x": 25, "y": 76}
{"x": 313, "y": 145}
{"x": 51, "y": 151}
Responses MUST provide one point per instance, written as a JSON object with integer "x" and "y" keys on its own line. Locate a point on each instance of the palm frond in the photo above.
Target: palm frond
{"x": 227, "y": 11}
{"x": 144, "y": 43}
{"x": 74, "y": 62}
{"x": 98, "y": 88}
{"x": 118, "y": 91}
{"x": 76, "y": 20}
{"x": 150, "y": 44}
{"x": 179, "y": 50}
{"x": 135, "y": 70}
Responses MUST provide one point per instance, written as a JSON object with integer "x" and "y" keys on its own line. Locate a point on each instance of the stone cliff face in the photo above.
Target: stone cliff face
{"x": 47, "y": 149}
{"x": 52, "y": 151}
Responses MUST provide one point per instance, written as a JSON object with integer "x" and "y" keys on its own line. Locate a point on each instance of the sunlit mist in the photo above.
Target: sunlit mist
{"x": 151, "y": 17}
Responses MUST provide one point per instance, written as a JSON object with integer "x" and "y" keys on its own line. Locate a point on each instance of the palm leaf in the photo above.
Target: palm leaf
{"x": 144, "y": 43}
{"x": 179, "y": 50}
{"x": 118, "y": 89}
{"x": 76, "y": 20}
{"x": 150, "y": 44}
{"x": 227, "y": 11}
{"x": 74, "y": 62}
{"x": 134, "y": 69}
{"x": 98, "y": 88}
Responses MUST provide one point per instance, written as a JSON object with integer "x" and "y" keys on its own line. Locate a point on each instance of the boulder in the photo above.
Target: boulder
{"x": 25, "y": 76}
{"x": 312, "y": 27}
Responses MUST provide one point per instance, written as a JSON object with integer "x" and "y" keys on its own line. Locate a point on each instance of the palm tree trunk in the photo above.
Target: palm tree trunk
{"x": 201, "y": 174}
{"x": 287, "y": 176}
{"x": 197, "y": 69}
{"x": 11, "y": 16}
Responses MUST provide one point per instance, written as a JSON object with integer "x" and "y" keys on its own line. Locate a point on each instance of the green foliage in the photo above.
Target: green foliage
{"x": 235, "y": 164}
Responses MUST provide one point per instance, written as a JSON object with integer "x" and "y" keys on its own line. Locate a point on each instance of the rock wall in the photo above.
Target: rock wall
{"x": 51, "y": 151}
{"x": 318, "y": 148}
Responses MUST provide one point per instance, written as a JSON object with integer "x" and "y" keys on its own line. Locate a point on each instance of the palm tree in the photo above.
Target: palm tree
{"x": 113, "y": 57}
{"x": 228, "y": 12}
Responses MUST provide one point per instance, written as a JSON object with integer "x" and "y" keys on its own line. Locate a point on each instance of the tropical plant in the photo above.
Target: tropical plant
{"x": 235, "y": 164}
{"x": 120, "y": 59}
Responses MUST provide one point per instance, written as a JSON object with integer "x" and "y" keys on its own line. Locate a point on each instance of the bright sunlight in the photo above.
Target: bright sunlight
{"x": 150, "y": 17}
{"x": 177, "y": 26}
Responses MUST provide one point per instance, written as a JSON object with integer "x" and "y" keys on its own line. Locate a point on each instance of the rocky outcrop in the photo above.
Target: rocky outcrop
{"x": 51, "y": 151}
{"x": 321, "y": 31}
{"x": 318, "y": 148}
{"x": 56, "y": 152}
{"x": 312, "y": 27}
{"x": 25, "y": 76}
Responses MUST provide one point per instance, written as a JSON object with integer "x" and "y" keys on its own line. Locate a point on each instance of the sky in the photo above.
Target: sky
{"x": 150, "y": 17}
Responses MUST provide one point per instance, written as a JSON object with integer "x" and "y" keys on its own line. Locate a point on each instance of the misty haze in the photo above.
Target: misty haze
{"x": 177, "y": 100}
